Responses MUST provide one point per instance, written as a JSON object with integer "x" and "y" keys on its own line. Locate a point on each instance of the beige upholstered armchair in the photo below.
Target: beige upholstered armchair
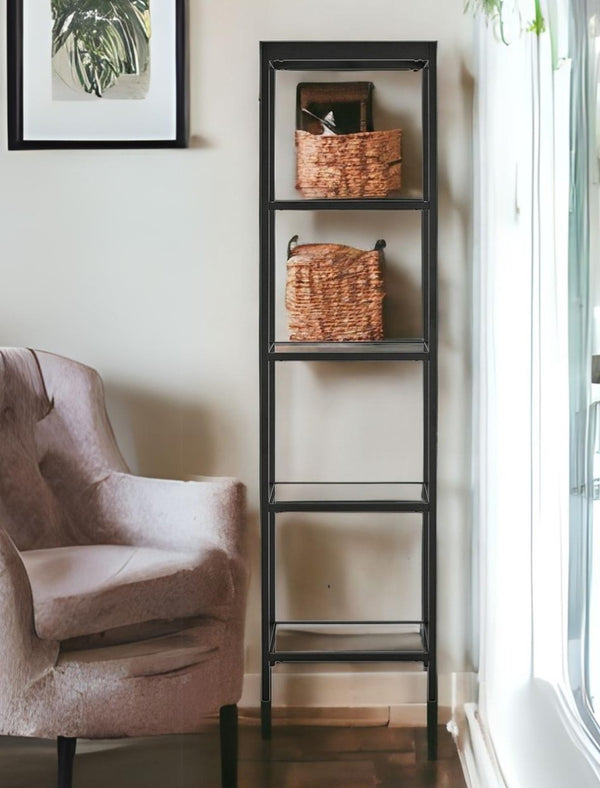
{"x": 122, "y": 599}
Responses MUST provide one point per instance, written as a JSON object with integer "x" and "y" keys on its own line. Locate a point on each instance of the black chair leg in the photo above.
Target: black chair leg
{"x": 229, "y": 745}
{"x": 66, "y": 753}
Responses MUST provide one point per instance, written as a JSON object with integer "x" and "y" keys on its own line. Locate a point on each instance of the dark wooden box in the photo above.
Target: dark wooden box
{"x": 350, "y": 102}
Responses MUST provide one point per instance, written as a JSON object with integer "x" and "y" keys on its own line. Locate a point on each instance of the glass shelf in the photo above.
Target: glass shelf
{"x": 386, "y": 350}
{"x": 375, "y": 64}
{"x": 347, "y": 55}
{"x": 349, "y": 496}
{"x": 349, "y": 204}
{"x": 324, "y": 641}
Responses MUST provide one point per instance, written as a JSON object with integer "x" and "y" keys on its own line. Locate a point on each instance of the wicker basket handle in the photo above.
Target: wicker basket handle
{"x": 293, "y": 242}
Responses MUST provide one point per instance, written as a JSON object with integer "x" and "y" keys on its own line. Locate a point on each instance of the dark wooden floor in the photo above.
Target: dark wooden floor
{"x": 351, "y": 757}
{"x": 296, "y": 757}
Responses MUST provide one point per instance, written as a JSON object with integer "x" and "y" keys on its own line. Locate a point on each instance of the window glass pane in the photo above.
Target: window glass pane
{"x": 593, "y": 617}
{"x": 584, "y": 344}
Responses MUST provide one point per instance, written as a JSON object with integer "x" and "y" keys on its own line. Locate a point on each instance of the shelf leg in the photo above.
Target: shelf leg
{"x": 425, "y": 570}
{"x": 432, "y": 714}
{"x": 432, "y": 730}
{"x": 265, "y": 703}
{"x": 265, "y": 719}
{"x": 269, "y": 617}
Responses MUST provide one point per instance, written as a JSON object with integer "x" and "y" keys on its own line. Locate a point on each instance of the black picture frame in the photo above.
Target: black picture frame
{"x": 17, "y": 134}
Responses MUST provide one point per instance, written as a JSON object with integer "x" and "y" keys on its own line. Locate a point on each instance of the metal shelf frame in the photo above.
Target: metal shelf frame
{"x": 349, "y": 56}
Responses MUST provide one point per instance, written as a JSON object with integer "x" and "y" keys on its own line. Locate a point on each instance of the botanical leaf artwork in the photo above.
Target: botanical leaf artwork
{"x": 100, "y": 49}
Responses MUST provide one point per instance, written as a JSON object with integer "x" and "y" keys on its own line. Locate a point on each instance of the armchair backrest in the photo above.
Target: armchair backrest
{"x": 56, "y": 443}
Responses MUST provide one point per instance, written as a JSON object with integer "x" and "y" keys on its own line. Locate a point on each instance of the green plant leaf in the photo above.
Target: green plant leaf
{"x": 103, "y": 39}
{"x": 492, "y": 9}
{"x": 538, "y": 25}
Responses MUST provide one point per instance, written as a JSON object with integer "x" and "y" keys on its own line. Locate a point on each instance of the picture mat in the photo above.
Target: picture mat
{"x": 151, "y": 118}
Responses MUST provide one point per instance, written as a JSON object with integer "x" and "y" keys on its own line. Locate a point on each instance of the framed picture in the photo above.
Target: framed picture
{"x": 96, "y": 74}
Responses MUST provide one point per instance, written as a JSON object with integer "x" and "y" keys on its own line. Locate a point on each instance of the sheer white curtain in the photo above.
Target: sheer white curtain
{"x": 521, "y": 380}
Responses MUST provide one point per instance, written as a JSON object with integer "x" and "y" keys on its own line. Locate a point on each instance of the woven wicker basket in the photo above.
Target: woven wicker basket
{"x": 367, "y": 164}
{"x": 334, "y": 293}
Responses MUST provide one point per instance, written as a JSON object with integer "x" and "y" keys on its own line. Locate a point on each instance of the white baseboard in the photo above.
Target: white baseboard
{"x": 402, "y": 693}
{"x": 476, "y": 752}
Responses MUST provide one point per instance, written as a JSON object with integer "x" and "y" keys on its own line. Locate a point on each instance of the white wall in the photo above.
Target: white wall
{"x": 144, "y": 264}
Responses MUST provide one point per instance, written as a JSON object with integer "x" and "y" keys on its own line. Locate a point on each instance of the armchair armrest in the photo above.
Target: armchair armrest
{"x": 172, "y": 514}
{"x": 23, "y": 656}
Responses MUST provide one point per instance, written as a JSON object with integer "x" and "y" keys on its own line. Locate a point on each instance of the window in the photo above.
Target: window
{"x": 584, "y": 342}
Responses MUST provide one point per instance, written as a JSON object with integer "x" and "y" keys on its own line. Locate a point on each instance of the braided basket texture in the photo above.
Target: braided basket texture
{"x": 367, "y": 164}
{"x": 334, "y": 293}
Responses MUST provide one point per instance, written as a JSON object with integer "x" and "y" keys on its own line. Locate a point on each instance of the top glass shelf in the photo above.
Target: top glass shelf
{"x": 348, "y": 55}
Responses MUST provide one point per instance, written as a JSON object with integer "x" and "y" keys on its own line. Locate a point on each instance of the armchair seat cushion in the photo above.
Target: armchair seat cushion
{"x": 80, "y": 590}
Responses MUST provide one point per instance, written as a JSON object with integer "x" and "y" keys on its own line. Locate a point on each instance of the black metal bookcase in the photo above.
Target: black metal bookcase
{"x": 420, "y": 646}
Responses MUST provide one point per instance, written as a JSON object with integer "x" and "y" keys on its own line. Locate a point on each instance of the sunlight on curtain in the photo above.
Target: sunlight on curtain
{"x": 521, "y": 252}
